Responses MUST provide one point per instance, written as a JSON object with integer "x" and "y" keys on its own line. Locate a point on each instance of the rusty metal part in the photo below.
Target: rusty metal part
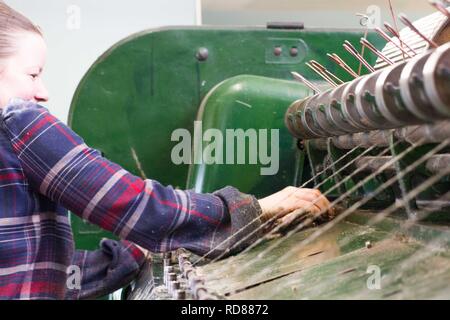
{"x": 193, "y": 282}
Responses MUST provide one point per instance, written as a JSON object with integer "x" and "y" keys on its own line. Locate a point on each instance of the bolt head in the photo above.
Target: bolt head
{"x": 293, "y": 52}
{"x": 277, "y": 51}
{"x": 202, "y": 54}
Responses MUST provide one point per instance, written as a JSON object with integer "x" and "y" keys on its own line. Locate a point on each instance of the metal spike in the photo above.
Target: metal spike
{"x": 335, "y": 58}
{"x": 324, "y": 70}
{"x": 299, "y": 77}
{"x": 378, "y": 53}
{"x": 397, "y": 35}
{"x": 403, "y": 18}
{"x": 440, "y": 7}
{"x": 389, "y": 39}
{"x": 322, "y": 75}
{"x": 351, "y": 49}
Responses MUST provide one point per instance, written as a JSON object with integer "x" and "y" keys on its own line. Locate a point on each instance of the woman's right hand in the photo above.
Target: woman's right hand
{"x": 290, "y": 199}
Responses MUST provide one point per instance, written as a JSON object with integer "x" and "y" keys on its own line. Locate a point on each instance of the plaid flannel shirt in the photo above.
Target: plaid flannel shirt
{"x": 45, "y": 169}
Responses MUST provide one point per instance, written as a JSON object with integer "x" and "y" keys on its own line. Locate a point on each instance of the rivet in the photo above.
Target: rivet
{"x": 277, "y": 51}
{"x": 294, "y": 51}
{"x": 202, "y": 54}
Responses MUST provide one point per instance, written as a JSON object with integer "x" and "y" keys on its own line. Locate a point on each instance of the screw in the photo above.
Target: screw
{"x": 294, "y": 51}
{"x": 277, "y": 51}
{"x": 202, "y": 54}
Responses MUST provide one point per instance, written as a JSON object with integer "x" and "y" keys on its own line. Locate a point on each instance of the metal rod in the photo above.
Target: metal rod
{"x": 385, "y": 36}
{"x": 396, "y": 34}
{"x": 336, "y": 59}
{"x": 378, "y": 53}
{"x": 403, "y": 18}
{"x": 299, "y": 77}
{"x": 321, "y": 67}
{"x": 351, "y": 49}
{"x": 322, "y": 75}
{"x": 440, "y": 7}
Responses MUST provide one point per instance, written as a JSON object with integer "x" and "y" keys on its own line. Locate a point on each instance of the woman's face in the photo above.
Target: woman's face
{"x": 20, "y": 74}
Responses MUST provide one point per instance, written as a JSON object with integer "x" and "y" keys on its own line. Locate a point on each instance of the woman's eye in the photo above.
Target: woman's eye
{"x": 34, "y": 76}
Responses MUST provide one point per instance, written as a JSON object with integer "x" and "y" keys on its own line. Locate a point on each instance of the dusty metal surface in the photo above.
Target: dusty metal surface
{"x": 336, "y": 265}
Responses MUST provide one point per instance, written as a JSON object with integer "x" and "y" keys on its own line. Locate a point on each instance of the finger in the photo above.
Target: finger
{"x": 302, "y": 195}
{"x": 314, "y": 196}
{"x": 293, "y": 203}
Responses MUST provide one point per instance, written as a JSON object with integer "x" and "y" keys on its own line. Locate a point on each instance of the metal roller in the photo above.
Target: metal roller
{"x": 289, "y": 119}
{"x": 349, "y": 109}
{"x": 436, "y": 74}
{"x": 334, "y": 113}
{"x": 412, "y": 89}
{"x": 405, "y": 94}
{"x": 305, "y": 114}
{"x": 366, "y": 104}
{"x": 318, "y": 111}
{"x": 294, "y": 120}
{"x": 388, "y": 98}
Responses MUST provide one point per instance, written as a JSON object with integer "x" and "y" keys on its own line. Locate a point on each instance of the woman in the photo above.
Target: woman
{"x": 45, "y": 169}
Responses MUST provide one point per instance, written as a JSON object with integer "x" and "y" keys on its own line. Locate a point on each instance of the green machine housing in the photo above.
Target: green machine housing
{"x": 152, "y": 83}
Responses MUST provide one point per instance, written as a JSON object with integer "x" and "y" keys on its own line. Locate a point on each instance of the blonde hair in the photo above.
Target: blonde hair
{"x": 11, "y": 23}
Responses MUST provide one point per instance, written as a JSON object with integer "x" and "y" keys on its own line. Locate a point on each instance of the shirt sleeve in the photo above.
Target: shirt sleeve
{"x": 105, "y": 270}
{"x": 58, "y": 164}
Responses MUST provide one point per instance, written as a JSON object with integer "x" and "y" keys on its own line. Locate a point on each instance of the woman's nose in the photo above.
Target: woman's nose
{"x": 41, "y": 93}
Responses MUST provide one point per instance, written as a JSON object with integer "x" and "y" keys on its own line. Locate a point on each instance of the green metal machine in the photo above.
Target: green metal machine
{"x": 144, "y": 88}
